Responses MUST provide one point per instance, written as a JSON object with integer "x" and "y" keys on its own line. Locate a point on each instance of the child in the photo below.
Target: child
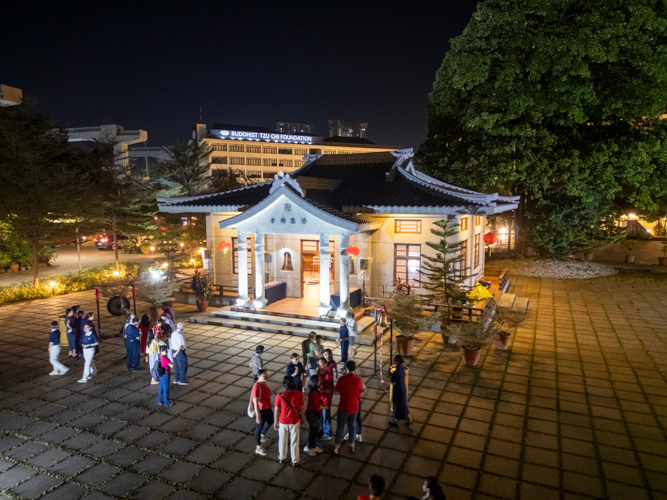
{"x": 296, "y": 370}
{"x": 256, "y": 363}
{"x": 164, "y": 370}
{"x": 376, "y": 485}
{"x": 54, "y": 351}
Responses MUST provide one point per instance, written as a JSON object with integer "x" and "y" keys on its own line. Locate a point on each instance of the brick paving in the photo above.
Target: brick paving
{"x": 576, "y": 409}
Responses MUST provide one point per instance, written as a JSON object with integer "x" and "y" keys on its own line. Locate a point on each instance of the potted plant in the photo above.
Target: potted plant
{"x": 409, "y": 318}
{"x": 663, "y": 260}
{"x": 203, "y": 289}
{"x": 506, "y": 320}
{"x": 630, "y": 246}
{"x": 155, "y": 293}
{"x": 471, "y": 337}
{"x": 588, "y": 252}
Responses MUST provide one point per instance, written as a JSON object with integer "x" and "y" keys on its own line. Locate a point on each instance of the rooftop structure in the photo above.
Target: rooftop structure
{"x": 10, "y": 96}
{"x": 295, "y": 128}
{"x": 342, "y": 128}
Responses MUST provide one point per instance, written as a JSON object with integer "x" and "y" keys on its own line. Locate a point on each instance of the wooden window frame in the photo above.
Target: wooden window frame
{"x": 478, "y": 220}
{"x": 476, "y": 250}
{"x": 397, "y": 224}
{"x": 407, "y": 258}
{"x": 235, "y": 256}
{"x": 464, "y": 224}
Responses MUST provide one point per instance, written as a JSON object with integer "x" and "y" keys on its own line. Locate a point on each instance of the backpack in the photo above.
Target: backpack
{"x": 160, "y": 369}
{"x": 63, "y": 330}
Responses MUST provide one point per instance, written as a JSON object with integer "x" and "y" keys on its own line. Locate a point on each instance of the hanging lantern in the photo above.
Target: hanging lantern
{"x": 490, "y": 238}
{"x": 353, "y": 251}
{"x": 225, "y": 246}
{"x": 162, "y": 228}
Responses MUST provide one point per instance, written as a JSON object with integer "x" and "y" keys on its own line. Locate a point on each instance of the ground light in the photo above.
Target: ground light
{"x": 116, "y": 273}
{"x": 53, "y": 284}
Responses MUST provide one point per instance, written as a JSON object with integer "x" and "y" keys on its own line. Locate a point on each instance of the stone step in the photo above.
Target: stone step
{"x": 365, "y": 338}
{"x": 506, "y": 300}
{"x": 276, "y": 319}
{"x": 520, "y": 304}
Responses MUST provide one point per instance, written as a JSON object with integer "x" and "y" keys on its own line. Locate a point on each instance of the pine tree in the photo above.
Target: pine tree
{"x": 444, "y": 272}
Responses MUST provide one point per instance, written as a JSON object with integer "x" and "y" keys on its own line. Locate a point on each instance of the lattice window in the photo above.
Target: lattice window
{"x": 464, "y": 224}
{"x": 409, "y": 226}
{"x": 407, "y": 263}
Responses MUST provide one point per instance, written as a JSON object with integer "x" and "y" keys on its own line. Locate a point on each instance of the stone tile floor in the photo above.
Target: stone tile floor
{"x": 576, "y": 409}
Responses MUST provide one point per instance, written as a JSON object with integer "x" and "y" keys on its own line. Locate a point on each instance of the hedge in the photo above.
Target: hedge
{"x": 70, "y": 282}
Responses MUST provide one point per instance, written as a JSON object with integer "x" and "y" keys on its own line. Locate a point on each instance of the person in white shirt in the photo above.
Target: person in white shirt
{"x": 352, "y": 332}
{"x": 177, "y": 347}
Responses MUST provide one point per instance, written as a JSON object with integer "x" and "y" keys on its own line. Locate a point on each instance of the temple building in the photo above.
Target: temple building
{"x": 297, "y": 231}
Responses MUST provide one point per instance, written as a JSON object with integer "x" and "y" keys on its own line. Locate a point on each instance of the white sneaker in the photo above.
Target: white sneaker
{"x": 260, "y": 451}
{"x": 305, "y": 448}
{"x": 358, "y": 438}
{"x": 347, "y": 436}
{"x": 54, "y": 373}
{"x": 82, "y": 381}
{"x": 312, "y": 453}
{"x": 64, "y": 371}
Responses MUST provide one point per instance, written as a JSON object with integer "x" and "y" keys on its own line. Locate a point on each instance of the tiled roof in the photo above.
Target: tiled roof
{"x": 250, "y": 195}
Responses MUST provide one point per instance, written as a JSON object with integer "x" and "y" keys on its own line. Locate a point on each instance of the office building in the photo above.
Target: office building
{"x": 9, "y": 96}
{"x": 260, "y": 153}
{"x": 342, "y": 128}
{"x": 295, "y": 128}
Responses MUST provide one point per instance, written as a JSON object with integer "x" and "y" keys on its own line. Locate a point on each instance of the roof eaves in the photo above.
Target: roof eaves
{"x": 204, "y": 196}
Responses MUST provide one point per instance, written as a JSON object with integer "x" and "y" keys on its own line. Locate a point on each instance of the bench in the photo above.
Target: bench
{"x": 520, "y": 304}
{"x": 507, "y": 300}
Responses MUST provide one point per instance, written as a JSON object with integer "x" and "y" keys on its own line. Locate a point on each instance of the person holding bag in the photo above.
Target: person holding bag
{"x": 289, "y": 412}
{"x": 314, "y": 415}
{"x": 260, "y": 409}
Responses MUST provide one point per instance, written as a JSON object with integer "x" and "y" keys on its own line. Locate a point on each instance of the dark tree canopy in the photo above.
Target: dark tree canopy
{"x": 559, "y": 101}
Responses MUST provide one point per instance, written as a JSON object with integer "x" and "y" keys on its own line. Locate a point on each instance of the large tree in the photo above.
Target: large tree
{"x": 41, "y": 180}
{"x": 559, "y": 101}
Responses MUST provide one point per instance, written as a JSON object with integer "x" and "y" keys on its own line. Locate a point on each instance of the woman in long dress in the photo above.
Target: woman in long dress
{"x": 398, "y": 392}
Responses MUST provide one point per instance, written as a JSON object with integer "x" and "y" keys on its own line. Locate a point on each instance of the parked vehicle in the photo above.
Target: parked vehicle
{"x": 105, "y": 241}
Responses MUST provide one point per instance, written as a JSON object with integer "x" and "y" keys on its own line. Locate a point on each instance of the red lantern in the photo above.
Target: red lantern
{"x": 162, "y": 228}
{"x": 225, "y": 246}
{"x": 490, "y": 238}
{"x": 353, "y": 251}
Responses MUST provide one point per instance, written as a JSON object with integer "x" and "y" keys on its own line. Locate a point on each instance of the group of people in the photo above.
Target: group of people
{"x": 77, "y": 330}
{"x": 430, "y": 487}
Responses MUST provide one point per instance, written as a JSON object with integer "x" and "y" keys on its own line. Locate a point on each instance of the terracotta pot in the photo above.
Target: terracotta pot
{"x": 629, "y": 259}
{"x": 663, "y": 261}
{"x": 502, "y": 340}
{"x": 588, "y": 256}
{"x": 404, "y": 345}
{"x": 154, "y": 314}
{"x": 445, "y": 338}
{"x": 13, "y": 267}
{"x": 470, "y": 356}
{"x": 202, "y": 306}
{"x": 171, "y": 302}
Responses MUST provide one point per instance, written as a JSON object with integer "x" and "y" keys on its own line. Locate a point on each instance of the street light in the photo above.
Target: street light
{"x": 53, "y": 284}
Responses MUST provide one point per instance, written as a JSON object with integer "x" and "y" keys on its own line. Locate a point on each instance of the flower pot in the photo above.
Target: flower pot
{"x": 202, "y": 306}
{"x": 663, "y": 261}
{"x": 629, "y": 259}
{"x": 404, "y": 345}
{"x": 445, "y": 338}
{"x": 470, "y": 356}
{"x": 153, "y": 314}
{"x": 13, "y": 267}
{"x": 588, "y": 256}
{"x": 502, "y": 340}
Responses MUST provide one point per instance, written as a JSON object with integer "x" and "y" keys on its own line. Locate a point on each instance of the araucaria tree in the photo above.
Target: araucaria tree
{"x": 41, "y": 185}
{"x": 561, "y": 102}
{"x": 445, "y": 271}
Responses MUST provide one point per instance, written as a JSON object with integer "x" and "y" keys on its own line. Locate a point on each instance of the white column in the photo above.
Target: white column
{"x": 343, "y": 264}
{"x": 243, "y": 269}
{"x": 260, "y": 300}
{"x": 325, "y": 294}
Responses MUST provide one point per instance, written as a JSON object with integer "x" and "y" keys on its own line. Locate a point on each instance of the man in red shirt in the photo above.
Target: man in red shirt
{"x": 261, "y": 402}
{"x": 289, "y": 414}
{"x": 350, "y": 387}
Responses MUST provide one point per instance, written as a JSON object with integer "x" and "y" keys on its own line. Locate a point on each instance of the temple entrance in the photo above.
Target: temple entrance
{"x": 310, "y": 270}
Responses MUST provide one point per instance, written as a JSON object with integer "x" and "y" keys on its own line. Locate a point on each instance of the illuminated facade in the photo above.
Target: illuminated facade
{"x": 260, "y": 153}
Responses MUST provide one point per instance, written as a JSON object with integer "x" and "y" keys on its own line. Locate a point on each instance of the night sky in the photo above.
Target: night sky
{"x": 151, "y": 65}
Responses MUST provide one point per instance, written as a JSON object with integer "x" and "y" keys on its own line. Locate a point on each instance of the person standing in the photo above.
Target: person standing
{"x": 164, "y": 370}
{"x": 296, "y": 370}
{"x": 153, "y": 350}
{"x": 169, "y": 311}
{"x": 69, "y": 330}
{"x": 165, "y": 318}
{"x": 376, "y": 486}
{"x": 352, "y": 332}
{"x": 77, "y": 322}
{"x": 89, "y": 344}
{"x": 127, "y": 319}
{"x": 177, "y": 345}
{"x": 289, "y": 412}
{"x": 132, "y": 338}
{"x": 343, "y": 340}
{"x": 54, "y": 351}
{"x": 398, "y": 392}
{"x": 145, "y": 326}
{"x": 313, "y": 353}
{"x": 256, "y": 362}
{"x": 331, "y": 363}
{"x": 350, "y": 387}
{"x": 326, "y": 381}
{"x": 88, "y": 320}
{"x": 261, "y": 401}
{"x": 314, "y": 409}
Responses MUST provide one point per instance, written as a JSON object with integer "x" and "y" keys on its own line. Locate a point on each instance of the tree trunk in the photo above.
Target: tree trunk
{"x": 115, "y": 246}
{"x": 190, "y": 236}
{"x": 35, "y": 262}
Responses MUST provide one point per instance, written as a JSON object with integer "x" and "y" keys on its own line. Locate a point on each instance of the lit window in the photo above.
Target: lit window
{"x": 235, "y": 256}
{"x": 270, "y": 162}
{"x": 300, "y": 151}
{"x": 407, "y": 263}
{"x": 410, "y": 226}
{"x": 254, "y": 174}
{"x": 463, "y": 254}
{"x": 285, "y": 163}
{"x": 253, "y": 148}
{"x": 476, "y": 251}
{"x": 233, "y": 160}
{"x": 253, "y": 161}
{"x": 238, "y": 148}
{"x": 284, "y": 151}
{"x": 219, "y": 147}
{"x": 329, "y": 151}
{"x": 478, "y": 220}
{"x": 271, "y": 150}
{"x": 464, "y": 224}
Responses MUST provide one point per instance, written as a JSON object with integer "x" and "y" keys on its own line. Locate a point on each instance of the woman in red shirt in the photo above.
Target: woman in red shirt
{"x": 314, "y": 415}
{"x": 331, "y": 363}
{"x": 376, "y": 485}
{"x": 261, "y": 401}
{"x": 144, "y": 326}
{"x": 326, "y": 380}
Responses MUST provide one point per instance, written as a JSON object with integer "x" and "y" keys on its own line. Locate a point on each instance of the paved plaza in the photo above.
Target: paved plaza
{"x": 576, "y": 409}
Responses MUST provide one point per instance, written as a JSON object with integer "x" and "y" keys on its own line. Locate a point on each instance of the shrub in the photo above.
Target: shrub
{"x": 202, "y": 287}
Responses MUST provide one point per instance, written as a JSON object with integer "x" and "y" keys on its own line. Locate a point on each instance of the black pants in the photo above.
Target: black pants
{"x": 266, "y": 421}
{"x": 312, "y": 437}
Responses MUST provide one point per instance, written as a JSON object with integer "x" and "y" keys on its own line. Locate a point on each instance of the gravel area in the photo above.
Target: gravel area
{"x": 558, "y": 269}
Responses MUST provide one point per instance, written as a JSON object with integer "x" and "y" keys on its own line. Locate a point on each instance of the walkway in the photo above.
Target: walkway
{"x": 577, "y": 409}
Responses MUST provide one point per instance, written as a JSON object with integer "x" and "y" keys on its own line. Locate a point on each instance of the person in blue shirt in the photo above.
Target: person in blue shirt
{"x": 296, "y": 370}
{"x": 54, "y": 351}
{"x": 132, "y": 339}
{"x": 89, "y": 344}
{"x": 344, "y": 340}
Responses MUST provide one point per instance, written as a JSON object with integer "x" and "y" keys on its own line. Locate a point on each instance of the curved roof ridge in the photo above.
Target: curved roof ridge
{"x": 204, "y": 196}
{"x": 471, "y": 196}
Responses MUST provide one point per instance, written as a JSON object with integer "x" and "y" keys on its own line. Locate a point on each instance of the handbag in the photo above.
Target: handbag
{"x": 251, "y": 407}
